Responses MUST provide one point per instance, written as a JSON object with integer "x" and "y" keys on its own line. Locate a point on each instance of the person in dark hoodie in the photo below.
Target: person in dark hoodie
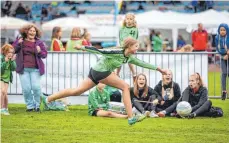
{"x": 169, "y": 92}
{"x": 197, "y": 95}
{"x": 222, "y": 47}
{"x": 143, "y": 97}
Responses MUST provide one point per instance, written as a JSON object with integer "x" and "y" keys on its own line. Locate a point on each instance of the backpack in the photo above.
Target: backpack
{"x": 57, "y": 105}
{"x": 214, "y": 112}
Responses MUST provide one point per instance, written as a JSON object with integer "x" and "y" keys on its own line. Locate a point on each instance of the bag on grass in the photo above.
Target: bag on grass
{"x": 117, "y": 107}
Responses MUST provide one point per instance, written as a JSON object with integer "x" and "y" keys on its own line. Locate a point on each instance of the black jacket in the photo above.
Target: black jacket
{"x": 176, "y": 90}
{"x": 151, "y": 93}
{"x": 195, "y": 99}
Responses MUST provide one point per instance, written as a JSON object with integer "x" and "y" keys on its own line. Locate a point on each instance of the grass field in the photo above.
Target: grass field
{"x": 76, "y": 126}
{"x": 215, "y": 89}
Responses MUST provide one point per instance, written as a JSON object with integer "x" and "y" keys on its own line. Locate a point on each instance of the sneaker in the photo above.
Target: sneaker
{"x": 5, "y": 112}
{"x": 192, "y": 115}
{"x": 137, "y": 118}
{"x": 224, "y": 95}
{"x": 140, "y": 117}
{"x": 44, "y": 101}
{"x": 132, "y": 120}
{"x": 37, "y": 110}
{"x": 161, "y": 114}
{"x": 153, "y": 114}
{"x": 29, "y": 110}
{"x": 146, "y": 113}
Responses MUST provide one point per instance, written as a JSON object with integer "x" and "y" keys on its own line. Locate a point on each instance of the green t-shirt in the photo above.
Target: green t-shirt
{"x": 113, "y": 59}
{"x": 157, "y": 47}
{"x": 125, "y": 32}
{"x": 70, "y": 47}
{"x": 6, "y": 69}
{"x": 97, "y": 100}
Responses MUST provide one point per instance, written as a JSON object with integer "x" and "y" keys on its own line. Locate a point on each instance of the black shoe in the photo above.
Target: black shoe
{"x": 37, "y": 110}
{"x": 29, "y": 110}
{"x": 192, "y": 115}
{"x": 224, "y": 95}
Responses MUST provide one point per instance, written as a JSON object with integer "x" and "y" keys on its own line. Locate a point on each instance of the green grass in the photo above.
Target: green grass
{"x": 215, "y": 89}
{"x": 76, "y": 126}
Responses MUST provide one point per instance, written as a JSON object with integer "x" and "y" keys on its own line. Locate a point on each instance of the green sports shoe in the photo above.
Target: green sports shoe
{"x": 137, "y": 118}
{"x": 44, "y": 101}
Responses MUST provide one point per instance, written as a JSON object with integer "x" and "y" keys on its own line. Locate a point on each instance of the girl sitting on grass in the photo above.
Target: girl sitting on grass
{"x": 98, "y": 103}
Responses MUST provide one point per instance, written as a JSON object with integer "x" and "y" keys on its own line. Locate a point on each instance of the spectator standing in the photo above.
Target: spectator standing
{"x": 56, "y": 44}
{"x": 30, "y": 51}
{"x": 157, "y": 42}
{"x": 6, "y": 6}
{"x": 200, "y": 39}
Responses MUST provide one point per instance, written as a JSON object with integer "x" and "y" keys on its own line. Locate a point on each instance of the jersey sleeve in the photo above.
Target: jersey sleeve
{"x": 136, "y": 61}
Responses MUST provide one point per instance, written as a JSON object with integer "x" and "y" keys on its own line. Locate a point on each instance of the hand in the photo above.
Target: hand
{"x": 38, "y": 49}
{"x": 77, "y": 47}
{"x": 155, "y": 102}
{"x": 20, "y": 40}
{"x": 225, "y": 57}
{"x": 228, "y": 52}
{"x": 14, "y": 57}
{"x": 7, "y": 58}
{"x": 162, "y": 71}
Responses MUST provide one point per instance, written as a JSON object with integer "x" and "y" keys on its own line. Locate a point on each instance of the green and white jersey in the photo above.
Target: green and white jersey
{"x": 98, "y": 99}
{"x": 125, "y": 32}
{"x": 111, "y": 60}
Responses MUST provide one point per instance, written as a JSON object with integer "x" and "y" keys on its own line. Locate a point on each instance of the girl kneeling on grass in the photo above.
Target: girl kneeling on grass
{"x": 101, "y": 73}
{"x": 98, "y": 103}
{"x": 8, "y": 65}
{"x": 143, "y": 97}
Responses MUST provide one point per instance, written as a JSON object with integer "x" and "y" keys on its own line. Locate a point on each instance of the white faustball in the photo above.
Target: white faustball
{"x": 183, "y": 109}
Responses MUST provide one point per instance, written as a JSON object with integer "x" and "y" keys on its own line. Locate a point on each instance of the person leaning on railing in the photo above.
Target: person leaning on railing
{"x": 222, "y": 47}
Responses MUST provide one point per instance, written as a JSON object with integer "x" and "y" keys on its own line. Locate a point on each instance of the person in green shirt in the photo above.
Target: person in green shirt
{"x": 8, "y": 65}
{"x": 76, "y": 39}
{"x": 157, "y": 43}
{"x": 101, "y": 73}
{"x": 129, "y": 29}
{"x": 98, "y": 103}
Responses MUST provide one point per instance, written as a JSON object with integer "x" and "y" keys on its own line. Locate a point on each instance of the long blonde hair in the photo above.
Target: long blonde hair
{"x": 136, "y": 88}
{"x": 76, "y": 33}
{"x": 130, "y": 14}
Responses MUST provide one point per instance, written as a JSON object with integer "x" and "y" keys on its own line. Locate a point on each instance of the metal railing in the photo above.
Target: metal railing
{"x": 67, "y": 69}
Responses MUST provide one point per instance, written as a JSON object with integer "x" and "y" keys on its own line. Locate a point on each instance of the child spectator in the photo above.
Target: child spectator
{"x": 8, "y": 65}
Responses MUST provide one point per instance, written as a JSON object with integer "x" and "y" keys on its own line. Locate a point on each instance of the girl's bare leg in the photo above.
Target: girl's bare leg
{"x": 84, "y": 86}
{"x": 103, "y": 113}
{"x": 115, "y": 81}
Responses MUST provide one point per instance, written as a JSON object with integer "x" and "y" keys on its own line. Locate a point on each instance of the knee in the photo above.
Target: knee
{"x": 109, "y": 113}
{"x": 36, "y": 88}
{"x": 209, "y": 102}
{"x": 125, "y": 87}
{"x": 3, "y": 92}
